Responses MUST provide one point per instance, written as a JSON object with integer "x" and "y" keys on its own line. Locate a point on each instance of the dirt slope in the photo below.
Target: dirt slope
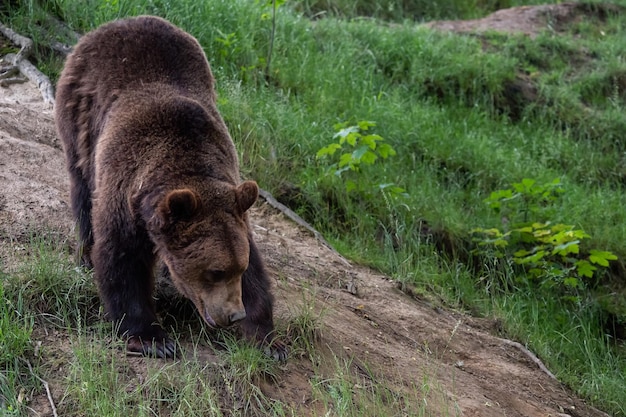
{"x": 401, "y": 340}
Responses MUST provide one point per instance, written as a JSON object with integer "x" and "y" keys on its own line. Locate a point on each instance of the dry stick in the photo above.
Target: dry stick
{"x": 23, "y": 42}
{"x": 20, "y": 60}
{"x": 529, "y": 354}
{"x": 300, "y": 221}
{"x": 47, "y": 387}
{"x": 36, "y": 76}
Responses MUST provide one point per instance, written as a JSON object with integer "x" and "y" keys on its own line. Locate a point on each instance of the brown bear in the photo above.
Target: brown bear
{"x": 154, "y": 175}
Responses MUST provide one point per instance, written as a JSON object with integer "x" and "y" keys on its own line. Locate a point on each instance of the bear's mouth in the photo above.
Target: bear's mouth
{"x": 209, "y": 320}
{"x": 202, "y": 309}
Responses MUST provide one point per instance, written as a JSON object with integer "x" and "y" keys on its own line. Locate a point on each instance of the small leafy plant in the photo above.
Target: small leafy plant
{"x": 358, "y": 149}
{"x": 549, "y": 253}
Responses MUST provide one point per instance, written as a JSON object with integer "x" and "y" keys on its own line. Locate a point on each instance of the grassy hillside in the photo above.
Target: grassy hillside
{"x": 459, "y": 117}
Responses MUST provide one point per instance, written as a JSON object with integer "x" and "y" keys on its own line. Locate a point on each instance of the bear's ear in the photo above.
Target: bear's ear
{"x": 247, "y": 193}
{"x": 179, "y": 205}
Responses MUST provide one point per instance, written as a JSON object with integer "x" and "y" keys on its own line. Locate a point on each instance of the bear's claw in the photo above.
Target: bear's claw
{"x": 164, "y": 349}
{"x": 277, "y": 351}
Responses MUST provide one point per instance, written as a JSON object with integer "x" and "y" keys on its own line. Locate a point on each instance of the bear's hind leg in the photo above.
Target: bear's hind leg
{"x": 258, "y": 326}
{"x": 80, "y": 196}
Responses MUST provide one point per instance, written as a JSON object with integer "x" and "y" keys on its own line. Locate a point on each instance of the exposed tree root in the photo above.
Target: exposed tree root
{"x": 20, "y": 61}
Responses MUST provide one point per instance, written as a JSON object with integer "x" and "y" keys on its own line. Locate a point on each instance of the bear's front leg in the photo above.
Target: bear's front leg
{"x": 258, "y": 326}
{"x": 123, "y": 267}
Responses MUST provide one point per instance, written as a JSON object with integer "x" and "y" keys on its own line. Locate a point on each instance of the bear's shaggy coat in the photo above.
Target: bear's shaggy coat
{"x": 154, "y": 172}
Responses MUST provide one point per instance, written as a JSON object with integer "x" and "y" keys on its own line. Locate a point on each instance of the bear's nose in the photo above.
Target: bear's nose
{"x": 237, "y": 316}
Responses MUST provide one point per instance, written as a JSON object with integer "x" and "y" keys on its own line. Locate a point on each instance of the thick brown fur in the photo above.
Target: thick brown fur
{"x": 154, "y": 173}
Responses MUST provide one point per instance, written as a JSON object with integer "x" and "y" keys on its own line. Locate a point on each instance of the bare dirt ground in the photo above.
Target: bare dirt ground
{"x": 403, "y": 340}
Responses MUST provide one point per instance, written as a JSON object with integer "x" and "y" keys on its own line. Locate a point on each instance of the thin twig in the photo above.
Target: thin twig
{"x": 47, "y": 387}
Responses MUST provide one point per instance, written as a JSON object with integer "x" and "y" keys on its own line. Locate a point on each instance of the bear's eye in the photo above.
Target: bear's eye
{"x": 217, "y": 275}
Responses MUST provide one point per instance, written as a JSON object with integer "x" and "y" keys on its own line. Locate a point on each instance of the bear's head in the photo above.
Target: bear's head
{"x": 203, "y": 238}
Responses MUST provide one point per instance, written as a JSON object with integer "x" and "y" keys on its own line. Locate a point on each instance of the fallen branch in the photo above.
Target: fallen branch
{"x": 529, "y": 354}
{"x": 47, "y": 387}
{"x": 25, "y": 44}
{"x": 300, "y": 221}
{"x": 20, "y": 60}
{"x": 39, "y": 78}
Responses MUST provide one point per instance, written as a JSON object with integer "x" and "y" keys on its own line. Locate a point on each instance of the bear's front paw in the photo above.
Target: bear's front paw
{"x": 164, "y": 348}
{"x": 276, "y": 350}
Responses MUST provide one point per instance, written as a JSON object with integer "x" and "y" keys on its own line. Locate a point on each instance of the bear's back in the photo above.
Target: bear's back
{"x": 129, "y": 53}
{"x": 121, "y": 62}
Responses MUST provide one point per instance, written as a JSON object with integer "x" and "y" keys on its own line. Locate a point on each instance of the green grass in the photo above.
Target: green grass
{"x": 16, "y": 326}
{"x": 441, "y": 101}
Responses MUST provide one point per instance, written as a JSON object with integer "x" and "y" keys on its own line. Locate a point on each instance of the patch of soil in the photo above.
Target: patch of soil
{"x": 399, "y": 339}
{"x": 528, "y": 20}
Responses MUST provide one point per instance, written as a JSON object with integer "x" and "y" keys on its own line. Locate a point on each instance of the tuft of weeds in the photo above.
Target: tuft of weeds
{"x": 305, "y": 328}
{"x": 16, "y": 326}
{"x": 244, "y": 370}
{"x": 53, "y": 288}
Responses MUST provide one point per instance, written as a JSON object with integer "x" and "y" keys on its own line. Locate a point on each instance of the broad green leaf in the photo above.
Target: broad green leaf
{"x": 538, "y": 225}
{"x": 489, "y": 232}
{"x": 566, "y": 248}
{"x": 584, "y": 268}
{"x": 601, "y": 258}
{"x": 346, "y": 160}
{"x": 342, "y": 133}
{"x": 350, "y": 186}
{"x": 500, "y": 243}
{"x": 498, "y": 195}
{"x": 525, "y": 186}
{"x": 542, "y": 233}
{"x": 328, "y": 150}
{"x": 344, "y": 169}
{"x": 385, "y": 150}
{"x": 369, "y": 158}
{"x": 371, "y": 140}
{"x": 357, "y": 155}
{"x": 368, "y": 141}
{"x": 571, "y": 282}
{"x": 561, "y": 227}
{"x": 339, "y": 126}
{"x": 366, "y": 124}
{"x": 533, "y": 259}
{"x": 352, "y": 138}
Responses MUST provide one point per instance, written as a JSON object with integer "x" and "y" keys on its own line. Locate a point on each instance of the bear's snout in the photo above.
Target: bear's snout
{"x": 237, "y": 316}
